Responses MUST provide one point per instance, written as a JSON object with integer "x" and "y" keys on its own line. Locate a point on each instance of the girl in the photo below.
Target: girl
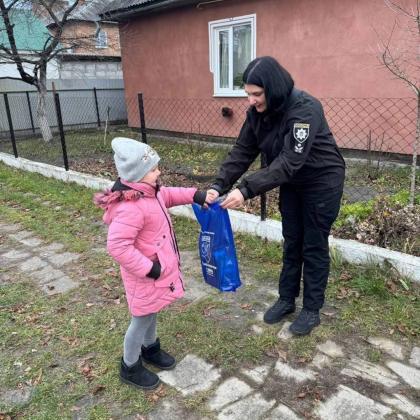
{"x": 142, "y": 240}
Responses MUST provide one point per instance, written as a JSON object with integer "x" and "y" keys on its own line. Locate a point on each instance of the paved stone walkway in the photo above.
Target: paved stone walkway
{"x": 361, "y": 390}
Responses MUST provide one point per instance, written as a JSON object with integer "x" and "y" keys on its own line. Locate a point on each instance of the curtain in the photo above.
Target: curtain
{"x": 224, "y": 59}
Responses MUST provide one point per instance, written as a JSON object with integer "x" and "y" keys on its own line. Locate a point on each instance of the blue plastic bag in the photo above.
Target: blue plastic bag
{"x": 217, "y": 248}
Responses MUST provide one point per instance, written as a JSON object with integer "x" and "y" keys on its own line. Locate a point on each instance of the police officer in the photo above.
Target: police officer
{"x": 288, "y": 126}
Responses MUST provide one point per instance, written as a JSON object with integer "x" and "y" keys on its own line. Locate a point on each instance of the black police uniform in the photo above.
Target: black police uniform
{"x": 304, "y": 160}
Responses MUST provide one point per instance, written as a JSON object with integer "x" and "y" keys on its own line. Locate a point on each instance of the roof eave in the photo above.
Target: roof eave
{"x": 148, "y": 8}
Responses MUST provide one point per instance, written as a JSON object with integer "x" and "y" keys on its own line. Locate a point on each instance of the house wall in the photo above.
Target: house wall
{"x": 90, "y": 70}
{"x": 83, "y": 33}
{"x": 10, "y": 70}
{"x": 330, "y": 48}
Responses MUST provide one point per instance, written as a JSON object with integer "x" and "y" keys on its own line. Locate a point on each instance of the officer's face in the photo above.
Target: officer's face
{"x": 256, "y": 97}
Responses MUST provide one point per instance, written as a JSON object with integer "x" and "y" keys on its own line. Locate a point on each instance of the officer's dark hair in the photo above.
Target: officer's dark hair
{"x": 277, "y": 82}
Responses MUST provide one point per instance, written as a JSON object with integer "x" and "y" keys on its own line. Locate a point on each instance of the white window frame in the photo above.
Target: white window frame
{"x": 214, "y": 28}
{"x": 105, "y": 35}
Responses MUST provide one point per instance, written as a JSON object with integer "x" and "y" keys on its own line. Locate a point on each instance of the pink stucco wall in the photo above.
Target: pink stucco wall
{"x": 330, "y": 47}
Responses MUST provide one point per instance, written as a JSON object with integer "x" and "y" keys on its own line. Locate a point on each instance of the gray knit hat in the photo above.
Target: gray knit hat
{"x": 133, "y": 159}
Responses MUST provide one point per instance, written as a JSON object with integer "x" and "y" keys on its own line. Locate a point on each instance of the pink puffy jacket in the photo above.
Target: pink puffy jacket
{"x": 140, "y": 232}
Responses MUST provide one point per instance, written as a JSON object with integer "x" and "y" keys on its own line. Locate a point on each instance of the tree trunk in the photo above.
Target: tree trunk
{"x": 42, "y": 102}
{"x": 415, "y": 148}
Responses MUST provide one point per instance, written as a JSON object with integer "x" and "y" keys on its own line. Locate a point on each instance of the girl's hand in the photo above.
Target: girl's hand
{"x": 211, "y": 196}
{"x": 233, "y": 200}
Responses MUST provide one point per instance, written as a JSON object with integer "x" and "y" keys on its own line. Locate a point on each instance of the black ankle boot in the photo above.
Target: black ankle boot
{"x": 278, "y": 311}
{"x": 306, "y": 321}
{"x": 157, "y": 357}
{"x": 138, "y": 375}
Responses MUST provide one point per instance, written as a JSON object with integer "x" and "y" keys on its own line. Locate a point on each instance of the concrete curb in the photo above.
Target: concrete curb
{"x": 351, "y": 251}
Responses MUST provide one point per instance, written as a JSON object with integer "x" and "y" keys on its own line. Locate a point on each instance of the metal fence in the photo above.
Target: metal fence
{"x": 372, "y": 133}
{"x": 81, "y": 108}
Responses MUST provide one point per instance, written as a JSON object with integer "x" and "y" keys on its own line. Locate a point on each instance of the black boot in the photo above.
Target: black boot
{"x": 305, "y": 322}
{"x": 138, "y": 375}
{"x": 157, "y": 357}
{"x": 279, "y": 310}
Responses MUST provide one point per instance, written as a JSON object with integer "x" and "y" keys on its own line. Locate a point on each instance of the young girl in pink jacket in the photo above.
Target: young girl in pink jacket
{"x": 142, "y": 240}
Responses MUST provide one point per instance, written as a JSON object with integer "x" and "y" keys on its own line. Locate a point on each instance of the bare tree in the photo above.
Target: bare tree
{"x": 403, "y": 61}
{"x": 32, "y": 64}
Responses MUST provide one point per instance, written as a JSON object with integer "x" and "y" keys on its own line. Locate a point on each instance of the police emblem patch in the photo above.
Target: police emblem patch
{"x": 300, "y": 134}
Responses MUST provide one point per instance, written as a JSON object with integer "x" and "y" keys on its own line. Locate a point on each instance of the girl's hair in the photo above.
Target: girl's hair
{"x": 266, "y": 72}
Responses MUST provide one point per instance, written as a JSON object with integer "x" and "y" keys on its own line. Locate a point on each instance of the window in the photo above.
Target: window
{"x": 101, "y": 39}
{"x": 232, "y": 47}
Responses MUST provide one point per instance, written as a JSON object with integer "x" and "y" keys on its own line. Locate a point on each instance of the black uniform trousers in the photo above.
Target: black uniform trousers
{"x": 307, "y": 217}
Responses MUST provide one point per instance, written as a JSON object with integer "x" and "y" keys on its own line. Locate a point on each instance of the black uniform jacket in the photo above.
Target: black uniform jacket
{"x": 299, "y": 147}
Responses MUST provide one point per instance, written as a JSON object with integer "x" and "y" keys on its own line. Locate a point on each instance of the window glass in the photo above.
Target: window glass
{"x": 101, "y": 39}
{"x": 241, "y": 53}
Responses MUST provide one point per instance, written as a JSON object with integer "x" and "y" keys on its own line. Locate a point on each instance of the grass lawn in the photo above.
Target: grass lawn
{"x": 67, "y": 348}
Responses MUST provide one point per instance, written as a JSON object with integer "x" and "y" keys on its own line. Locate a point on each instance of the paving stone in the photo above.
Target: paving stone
{"x": 282, "y": 412}
{"x": 192, "y": 374}
{"x": 258, "y": 374}
{"x": 401, "y": 403}
{"x": 299, "y": 375}
{"x": 62, "y": 259}
{"x": 18, "y": 396}
{"x": 16, "y": 254}
{"x": 61, "y": 285}
{"x": 34, "y": 263}
{"x": 331, "y": 349}
{"x": 8, "y": 228}
{"x": 320, "y": 361}
{"x": 48, "y": 249}
{"x": 348, "y": 404}
{"x": 284, "y": 333}
{"x": 257, "y": 329}
{"x": 5, "y": 278}
{"x": 388, "y": 346}
{"x": 169, "y": 410}
{"x": 48, "y": 274}
{"x": 415, "y": 356}
{"x": 228, "y": 392}
{"x": 32, "y": 242}
{"x": 410, "y": 374}
{"x": 259, "y": 316}
{"x": 359, "y": 368}
{"x": 252, "y": 407}
{"x": 23, "y": 234}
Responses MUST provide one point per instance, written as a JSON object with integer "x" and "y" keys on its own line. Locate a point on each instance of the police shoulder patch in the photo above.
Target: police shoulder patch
{"x": 300, "y": 134}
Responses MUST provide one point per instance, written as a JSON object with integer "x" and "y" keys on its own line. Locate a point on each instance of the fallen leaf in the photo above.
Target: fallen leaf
{"x": 98, "y": 389}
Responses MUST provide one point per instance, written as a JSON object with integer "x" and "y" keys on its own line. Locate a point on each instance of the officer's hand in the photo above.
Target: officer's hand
{"x": 233, "y": 200}
{"x": 211, "y": 196}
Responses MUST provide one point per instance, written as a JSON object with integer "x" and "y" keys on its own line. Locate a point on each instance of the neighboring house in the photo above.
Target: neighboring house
{"x": 189, "y": 50}
{"x": 30, "y": 36}
{"x": 96, "y": 46}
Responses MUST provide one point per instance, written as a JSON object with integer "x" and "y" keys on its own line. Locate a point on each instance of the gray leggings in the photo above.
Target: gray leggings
{"x": 141, "y": 331}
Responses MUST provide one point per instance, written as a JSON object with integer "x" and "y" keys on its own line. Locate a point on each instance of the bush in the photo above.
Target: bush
{"x": 387, "y": 221}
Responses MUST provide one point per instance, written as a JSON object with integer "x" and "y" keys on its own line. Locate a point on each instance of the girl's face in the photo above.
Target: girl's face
{"x": 256, "y": 97}
{"x": 152, "y": 176}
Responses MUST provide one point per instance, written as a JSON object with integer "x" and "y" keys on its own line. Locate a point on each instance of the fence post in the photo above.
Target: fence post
{"x": 142, "y": 119}
{"x": 263, "y": 196}
{"x": 60, "y": 126}
{"x": 98, "y": 117}
{"x": 9, "y": 119}
{"x": 30, "y": 112}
